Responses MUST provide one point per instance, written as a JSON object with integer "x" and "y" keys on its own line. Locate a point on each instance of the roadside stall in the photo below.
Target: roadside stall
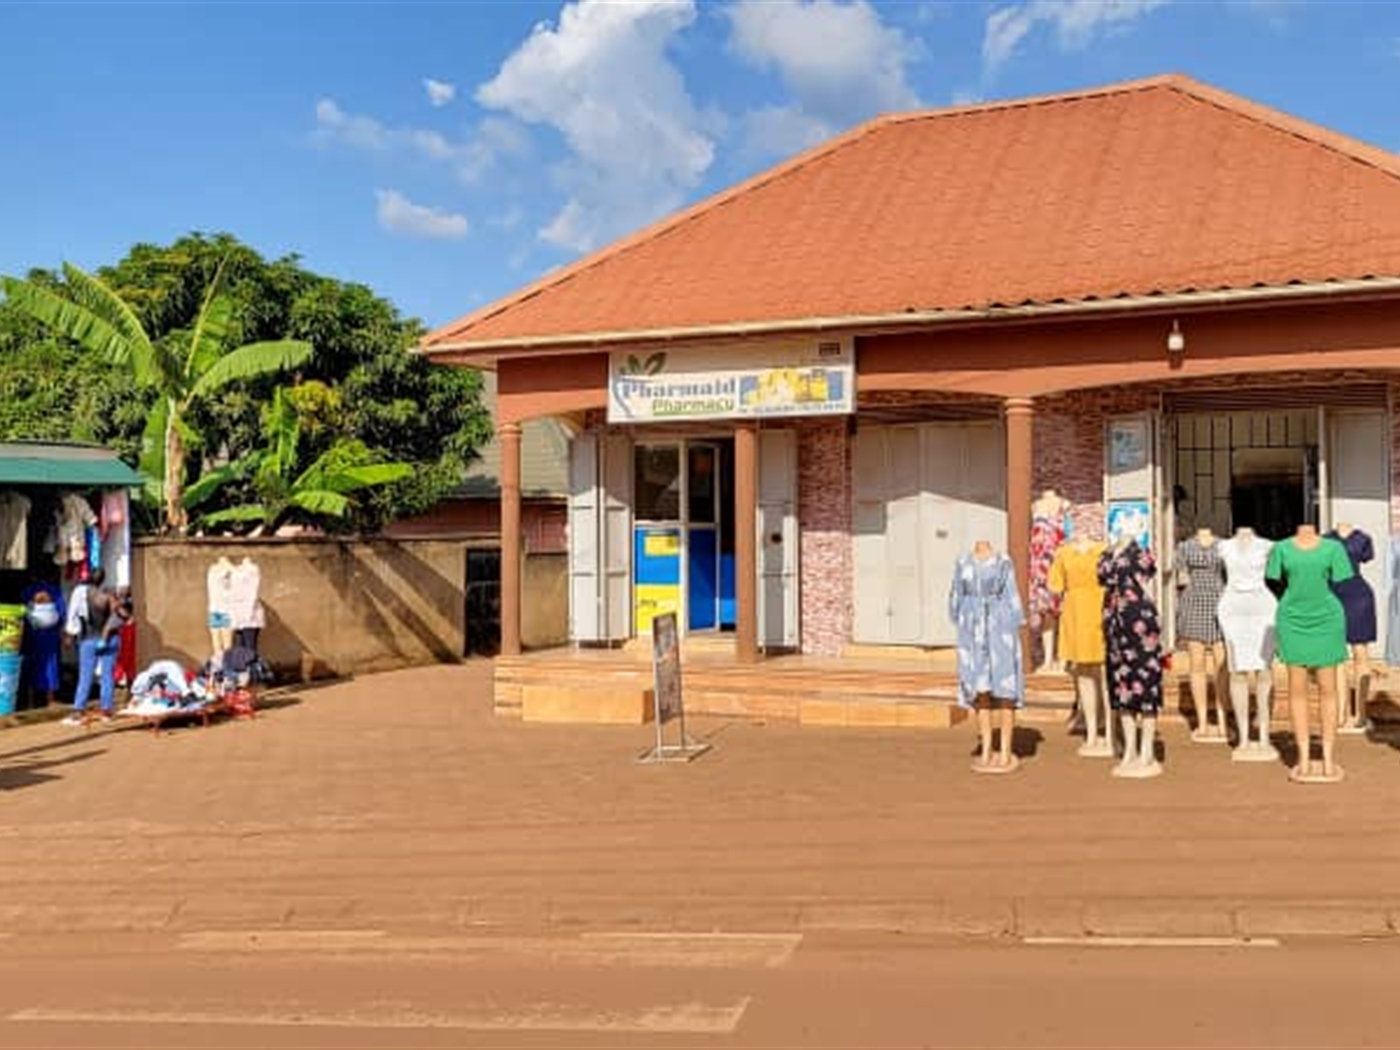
{"x": 65, "y": 511}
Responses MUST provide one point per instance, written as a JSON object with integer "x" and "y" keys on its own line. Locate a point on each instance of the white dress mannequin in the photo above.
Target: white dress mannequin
{"x": 1247, "y": 611}
{"x": 245, "y": 607}
{"x": 218, "y": 582}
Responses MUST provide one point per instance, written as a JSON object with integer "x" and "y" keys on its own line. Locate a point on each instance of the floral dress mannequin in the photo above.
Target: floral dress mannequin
{"x": 985, "y": 606}
{"x": 1049, "y": 515}
{"x": 1133, "y": 636}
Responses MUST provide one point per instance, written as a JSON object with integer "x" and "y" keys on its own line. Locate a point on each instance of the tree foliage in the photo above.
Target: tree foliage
{"x": 359, "y": 385}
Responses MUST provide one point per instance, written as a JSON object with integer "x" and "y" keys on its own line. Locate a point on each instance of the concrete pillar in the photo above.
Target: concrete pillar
{"x": 746, "y": 541}
{"x": 1019, "y": 476}
{"x": 512, "y": 546}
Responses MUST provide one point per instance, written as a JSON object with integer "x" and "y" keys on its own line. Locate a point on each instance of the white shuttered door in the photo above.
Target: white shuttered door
{"x": 778, "y": 600}
{"x": 600, "y": 530}
{"x": 923, "y": 494}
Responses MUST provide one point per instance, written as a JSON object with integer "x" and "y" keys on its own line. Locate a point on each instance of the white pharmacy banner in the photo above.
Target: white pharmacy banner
{"x": 811, "y": 378}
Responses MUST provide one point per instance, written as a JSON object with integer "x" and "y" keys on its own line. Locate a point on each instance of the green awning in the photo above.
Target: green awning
{"x": 69, "y": 466}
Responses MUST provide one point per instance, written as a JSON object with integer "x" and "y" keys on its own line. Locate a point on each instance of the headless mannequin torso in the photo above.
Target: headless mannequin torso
{"x": 995, "y": 712}
{"x": 1139, "y": 727}
{"x": 1205, "y": 650}
{"x": 1352, "y": 696}
{"x": 1074, "y": 576}
{"x": 1048, "y": 515}
{"x": 1247, "y": 611}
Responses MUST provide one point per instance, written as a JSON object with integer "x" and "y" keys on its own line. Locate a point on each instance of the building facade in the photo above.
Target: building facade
{"x": 795, "y": 404}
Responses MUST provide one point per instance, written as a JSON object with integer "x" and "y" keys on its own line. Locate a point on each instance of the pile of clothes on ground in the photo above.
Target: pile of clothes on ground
{"x": 165, "y": 688}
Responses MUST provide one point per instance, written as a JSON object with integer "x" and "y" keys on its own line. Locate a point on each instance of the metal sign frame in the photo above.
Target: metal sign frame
{"x": 668, "y": 703}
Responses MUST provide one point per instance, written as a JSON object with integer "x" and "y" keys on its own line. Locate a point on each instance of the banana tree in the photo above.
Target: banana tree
{"x": 325, "y": 489}
{"x": 182, "y": 369}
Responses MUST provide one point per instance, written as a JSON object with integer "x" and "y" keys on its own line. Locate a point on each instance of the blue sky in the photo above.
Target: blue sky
{"x": 445, "y": 154}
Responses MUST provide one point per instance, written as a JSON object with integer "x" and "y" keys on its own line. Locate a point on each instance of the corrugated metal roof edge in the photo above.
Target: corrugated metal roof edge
{"x": 485, "y": 353}
{"x": 442, "y": 338}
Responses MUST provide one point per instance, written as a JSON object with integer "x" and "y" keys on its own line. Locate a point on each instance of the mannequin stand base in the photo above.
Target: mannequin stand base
{"x": 1335, "y": 777}
{"x": 995, "y": 767}
{"x": 1354, "y": 728}
{"x": 1099, "y": 747}
{"x": 1209, "y": 735}
{"x": 1255, "y": 752}
{"x": 1138, "y": 770}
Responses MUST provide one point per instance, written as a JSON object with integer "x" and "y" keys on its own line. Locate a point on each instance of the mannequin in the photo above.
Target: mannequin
{"x": 1200, "y": 579}
{"x": 1359, "y": 607}
{"x": 1246, "y": 614}
{"x": 1311, "y": 640}
{"x": 1133, "y": 637}
{"x": 986, "y": 608}
{"x": 245, "y": 607}
{"x": 219, "y": 581}
{"x": 1074, "y": 576}
{"x": 1049, "y": 515}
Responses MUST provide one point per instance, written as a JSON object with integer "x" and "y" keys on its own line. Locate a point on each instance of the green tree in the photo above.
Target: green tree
{"x": 324, "y": 490}
{"x": 183, "y": 367}
{"x": 397, "y": 404}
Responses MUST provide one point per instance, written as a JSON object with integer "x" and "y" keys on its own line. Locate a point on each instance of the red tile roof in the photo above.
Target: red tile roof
{"x": 1156, "y": 186}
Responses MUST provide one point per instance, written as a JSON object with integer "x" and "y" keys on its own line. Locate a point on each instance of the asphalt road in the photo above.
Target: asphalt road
{"x": 369, "y": 988}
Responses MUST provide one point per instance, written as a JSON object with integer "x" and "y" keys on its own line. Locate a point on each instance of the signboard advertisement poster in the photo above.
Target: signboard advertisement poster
{"x": 666, "y": 686}
{"x": 815, "y": 377}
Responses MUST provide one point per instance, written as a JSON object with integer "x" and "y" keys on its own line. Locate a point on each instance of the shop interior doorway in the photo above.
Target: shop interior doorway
{"x": 1255, "y": 469}
{"x": 683, "y": 534}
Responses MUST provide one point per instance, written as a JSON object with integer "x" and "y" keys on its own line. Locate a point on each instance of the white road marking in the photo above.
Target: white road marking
{"x": 676, "y": 950}
{"x": 557, "y": 1017}
{"x": 1155, "y": 942}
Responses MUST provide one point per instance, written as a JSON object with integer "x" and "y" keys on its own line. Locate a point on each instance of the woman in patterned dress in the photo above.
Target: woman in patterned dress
{"x": 1133, "y": 636}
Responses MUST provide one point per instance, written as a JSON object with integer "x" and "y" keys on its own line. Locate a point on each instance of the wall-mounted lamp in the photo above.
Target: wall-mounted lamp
{"x": 1175, "y": 339}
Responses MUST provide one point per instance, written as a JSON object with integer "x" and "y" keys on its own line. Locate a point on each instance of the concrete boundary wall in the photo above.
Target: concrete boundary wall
{"x": 335, "y": 607}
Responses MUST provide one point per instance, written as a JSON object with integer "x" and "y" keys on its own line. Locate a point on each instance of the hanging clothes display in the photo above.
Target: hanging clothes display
{"x": 1247, "y": 607}
{"x": 1074, "y": 575}
{"x": 72, "y": 518}
{"x": 14, "y": 531}
{"x": 986, "y": 607}
{"x": 1357, "y": 598}
{"x": 1132, "y": 630}
{"x": 1312, "y": 628}
{"x": 1199, "y": 601}
{"x": 245, "y": 607}
{"x": 1047, "y": 535}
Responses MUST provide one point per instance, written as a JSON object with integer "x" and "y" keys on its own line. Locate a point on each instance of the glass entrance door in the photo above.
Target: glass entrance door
{"x": 683, "y": 542}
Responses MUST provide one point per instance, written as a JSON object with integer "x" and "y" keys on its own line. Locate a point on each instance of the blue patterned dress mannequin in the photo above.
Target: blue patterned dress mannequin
{"x": 986, "y": 607}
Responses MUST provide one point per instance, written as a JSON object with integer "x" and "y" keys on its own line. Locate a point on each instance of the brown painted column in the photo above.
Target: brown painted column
{"x": 512, "y": 548}
{"x": 1019, "y": 478}
{"x": 746, "y": 541}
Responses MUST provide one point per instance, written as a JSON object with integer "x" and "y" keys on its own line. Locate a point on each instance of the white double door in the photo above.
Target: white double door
{"x": 923, "y": 494}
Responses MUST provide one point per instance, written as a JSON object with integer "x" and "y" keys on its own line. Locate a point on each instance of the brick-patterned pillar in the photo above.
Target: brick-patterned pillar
{"x": 508, "y": 439}
{"x": 746, "y": 541}
{"x": 1019, "y": 420}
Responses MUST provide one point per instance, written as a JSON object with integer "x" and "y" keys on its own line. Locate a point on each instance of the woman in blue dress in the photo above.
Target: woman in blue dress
{"x": 43, "y": 640}
{"x": 986, "y": 607}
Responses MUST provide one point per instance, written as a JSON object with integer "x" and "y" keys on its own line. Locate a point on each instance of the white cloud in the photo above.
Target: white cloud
{"x": 469, "y": 159}
{"x": 398, "y": 214}
{"x": 602, "y": 78}
{"x": 838, "y": 60}
{"x": 440, "y": 92}
{"x": 1076, "y": 23}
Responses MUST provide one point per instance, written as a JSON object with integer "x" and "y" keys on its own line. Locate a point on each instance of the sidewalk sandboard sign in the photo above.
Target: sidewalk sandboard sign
{"x": 666, "y": 692}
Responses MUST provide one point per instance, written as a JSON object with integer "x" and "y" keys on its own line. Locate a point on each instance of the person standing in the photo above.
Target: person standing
{"x": 43, "y": 639}
{"x": 90, "y": 608}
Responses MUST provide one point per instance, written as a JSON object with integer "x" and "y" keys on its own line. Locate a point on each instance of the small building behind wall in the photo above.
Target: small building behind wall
{"x": 1170, "y": 303}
